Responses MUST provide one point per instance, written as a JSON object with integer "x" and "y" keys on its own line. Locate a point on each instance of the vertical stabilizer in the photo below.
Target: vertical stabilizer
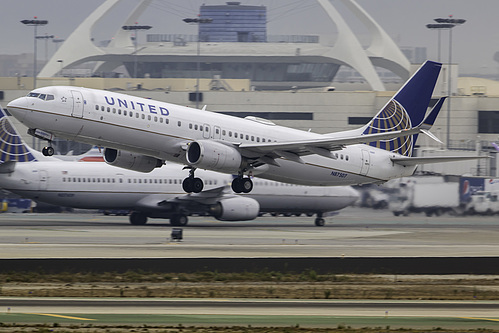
{"x": 12, "y": 147}
{"x": 405, "y": 110}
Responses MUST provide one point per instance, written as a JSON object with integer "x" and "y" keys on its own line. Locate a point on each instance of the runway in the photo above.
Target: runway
{"x": 355, "y": 232}
{"x": 241, "y": 312}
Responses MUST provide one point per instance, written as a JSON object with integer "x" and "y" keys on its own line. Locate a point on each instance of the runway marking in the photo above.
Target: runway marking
{"x": 59, "y": 316}
{"x": 476, "y": 318}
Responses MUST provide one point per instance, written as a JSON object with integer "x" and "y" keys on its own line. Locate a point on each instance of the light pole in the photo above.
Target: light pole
{"x": 447, "y": 23}
{"x": 35, "y": 23}
{"x": 136, "y": 28}
{"x": 46, "y": 37}
{"x": 198, "y": 21}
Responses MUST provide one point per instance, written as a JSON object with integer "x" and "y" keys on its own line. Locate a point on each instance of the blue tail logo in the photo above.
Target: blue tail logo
{"x": 392, "y": 118}
{"x": 12, "y": 147}
{"x": 405, "y": 110}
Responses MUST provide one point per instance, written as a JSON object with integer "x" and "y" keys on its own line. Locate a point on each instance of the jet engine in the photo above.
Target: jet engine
{"x": 212, "y": 155}
{"x": 131, "y": 161}
{"x": 236, "y": 209}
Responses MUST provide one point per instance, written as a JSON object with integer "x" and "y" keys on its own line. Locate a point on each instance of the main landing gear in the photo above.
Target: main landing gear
{"x": 319, "y": 220}
{"x": 192, "y": 184}
{"x": 242, "y": 184}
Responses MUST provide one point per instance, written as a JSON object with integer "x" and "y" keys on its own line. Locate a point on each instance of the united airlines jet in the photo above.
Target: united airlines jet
{"x": 140, "y": 134}
{"x": 158, "y": 194}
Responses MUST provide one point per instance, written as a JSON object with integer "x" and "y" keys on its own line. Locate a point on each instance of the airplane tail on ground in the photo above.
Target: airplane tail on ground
{"x": 12, "y": 147}
{"x": 405, "y": 110}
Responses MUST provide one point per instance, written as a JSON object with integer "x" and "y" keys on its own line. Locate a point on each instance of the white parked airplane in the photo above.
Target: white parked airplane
{"x": 141, "y": 134}
{"x": 97, "y": 185}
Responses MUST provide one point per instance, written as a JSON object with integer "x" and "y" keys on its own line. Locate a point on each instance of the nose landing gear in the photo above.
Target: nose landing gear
{"x": 48, "y": 150}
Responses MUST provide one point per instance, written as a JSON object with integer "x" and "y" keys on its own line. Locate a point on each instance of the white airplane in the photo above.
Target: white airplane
{"x": 140, "y": 134}
{"x": 158, "y": 194}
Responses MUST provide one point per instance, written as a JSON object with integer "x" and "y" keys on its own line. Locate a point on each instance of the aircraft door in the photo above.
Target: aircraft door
{"x": 77, "y": 104}
{"x": 365, "y": 163}
{"x": 43, "y": 178}
{"x": 206, "y": 132}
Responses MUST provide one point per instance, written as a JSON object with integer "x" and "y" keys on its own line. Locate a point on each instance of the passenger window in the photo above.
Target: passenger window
{"x": 196, "y": 127}
{"x": 143, "y": 116}
{"x": 119, "y": 111}
{"x": 149, "y": 117}
{"x": 97, "y": 107}
{"x": 190, "y": 126}
{"x": 108, "y": 109}
{"x": 179, "y": 123}
{"x": 114, "y": 110}
{"x": 167, "y": 121}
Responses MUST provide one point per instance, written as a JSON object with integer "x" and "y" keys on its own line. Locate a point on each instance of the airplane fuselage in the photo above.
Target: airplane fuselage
{"x": 96, "y": 185}
{"x": 164, "y": 130}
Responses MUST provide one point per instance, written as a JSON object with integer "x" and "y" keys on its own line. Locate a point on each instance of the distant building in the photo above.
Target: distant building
{"x": 236, "y": 45}
{"x": 234, "y": 22}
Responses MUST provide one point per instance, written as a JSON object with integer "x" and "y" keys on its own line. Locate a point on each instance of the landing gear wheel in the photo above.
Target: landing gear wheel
{"x": 197, "y": 185}
{"x": 48, "y": 151}
{"x": 187, "y": 184}
{"x": 179, "y": 220}
{"x": 320, "y": 222}
{"x": 242, "y": 185}
{"x": 191, "y": 184}
{"x": 137, "y": 218}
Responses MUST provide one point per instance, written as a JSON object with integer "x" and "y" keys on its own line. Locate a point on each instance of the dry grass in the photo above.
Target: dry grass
{"x": 307, "y": 285}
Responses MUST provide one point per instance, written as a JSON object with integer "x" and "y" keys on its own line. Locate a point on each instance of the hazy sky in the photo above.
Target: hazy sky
{"x": 474, "y": 43}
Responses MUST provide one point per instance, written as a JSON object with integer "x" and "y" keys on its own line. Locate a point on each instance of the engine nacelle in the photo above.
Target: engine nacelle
{"x": 131, "y": 161}
{"x": 212, "y": 155}
{"x": 236, "y": 209}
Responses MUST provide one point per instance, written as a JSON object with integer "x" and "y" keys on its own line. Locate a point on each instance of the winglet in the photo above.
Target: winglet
{"x": 430, "y": 119}
{"x": 432, "y": 116}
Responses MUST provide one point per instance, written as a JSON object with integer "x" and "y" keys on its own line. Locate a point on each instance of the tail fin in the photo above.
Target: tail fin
{"x": 12, "y": 147}
{"x": 405, "y": 110}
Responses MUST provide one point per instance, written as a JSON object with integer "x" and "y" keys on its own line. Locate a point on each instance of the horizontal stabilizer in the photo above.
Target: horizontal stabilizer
{"x": 410, "y": 161}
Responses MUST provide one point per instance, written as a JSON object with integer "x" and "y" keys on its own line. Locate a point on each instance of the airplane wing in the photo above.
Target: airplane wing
{"x": 294, "y": 149}
{"x": 160, "y": 202}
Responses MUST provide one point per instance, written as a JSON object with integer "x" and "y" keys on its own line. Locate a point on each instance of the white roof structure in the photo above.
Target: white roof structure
{"x": 347, "y": 50}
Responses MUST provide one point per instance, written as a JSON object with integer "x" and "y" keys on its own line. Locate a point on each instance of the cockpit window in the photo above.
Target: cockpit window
{"x": 44, "y": 97}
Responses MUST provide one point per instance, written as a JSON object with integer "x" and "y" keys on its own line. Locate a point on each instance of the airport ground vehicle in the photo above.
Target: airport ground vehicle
{"x": 429, "y": 198}
{"x": 483, "y": 203}
{"x": 435, "y": 195}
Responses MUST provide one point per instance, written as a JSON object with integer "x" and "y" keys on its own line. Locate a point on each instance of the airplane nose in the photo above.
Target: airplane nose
{"x": 18, "y": 108}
